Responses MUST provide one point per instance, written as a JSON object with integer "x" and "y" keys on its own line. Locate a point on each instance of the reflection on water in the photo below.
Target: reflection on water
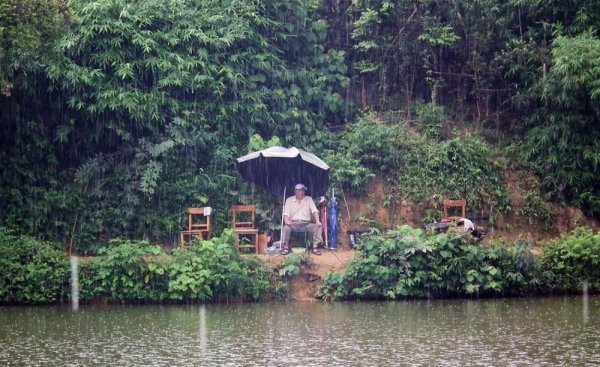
{"x": 74, "y": 283}
{"x": 512, "y": 332}
{"x": 586, "y": 302}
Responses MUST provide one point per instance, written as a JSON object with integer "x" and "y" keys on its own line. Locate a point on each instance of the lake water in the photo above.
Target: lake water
{"x": 501, "y": 332}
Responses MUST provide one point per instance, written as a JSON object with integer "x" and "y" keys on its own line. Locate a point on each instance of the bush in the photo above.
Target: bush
{"x": 291, "y": 266}
{"x": 208, "y": 270}
{"x": 409, "y": 262}
{"x": 538, "y": 209}
{"x": 416, "y": 167}
{"x": 214, "y": 270}
{"x": 129, "y": 271}
{"x": 33, "y": 272}
{"x": 572, "y": 260}
{"x": 430, "y": 119}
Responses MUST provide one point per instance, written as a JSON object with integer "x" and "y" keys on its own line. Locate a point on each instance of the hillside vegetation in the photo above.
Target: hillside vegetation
{"x": 115, "y": 115}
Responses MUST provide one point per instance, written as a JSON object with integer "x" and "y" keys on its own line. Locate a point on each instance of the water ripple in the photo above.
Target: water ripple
{"x": 514, "y": 332}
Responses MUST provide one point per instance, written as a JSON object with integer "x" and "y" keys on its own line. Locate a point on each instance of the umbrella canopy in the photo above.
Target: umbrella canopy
{"x": 277, "y": 169}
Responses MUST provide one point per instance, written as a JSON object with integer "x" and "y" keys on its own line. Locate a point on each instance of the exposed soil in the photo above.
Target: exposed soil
{"x": 360, "y": 213}
{"x": 304, "y": 288}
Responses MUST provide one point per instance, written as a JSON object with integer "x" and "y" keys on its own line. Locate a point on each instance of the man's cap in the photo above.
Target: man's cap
{"x": 300, "y": 187}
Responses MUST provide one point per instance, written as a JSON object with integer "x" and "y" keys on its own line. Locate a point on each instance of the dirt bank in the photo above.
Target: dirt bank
{"x": 374, "y": 209}
{"x": 304, "y": 287}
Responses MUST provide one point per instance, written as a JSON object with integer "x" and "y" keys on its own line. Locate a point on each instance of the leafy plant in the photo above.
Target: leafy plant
{"x": 147, "y": 104}
{"x": 131, "y": 270}
{"x": 572, "y": 260}
{"x": 536, "y": 208}
{"x": 408, "y": 262}
{"x": 33, "y": 272}
{"x": 28, "y": 30}
{"x": 562, "y": 143}
{"x": 430, "y": 120}
{"x": 268, "y": 215}
{"x": 291, "y": 266}
{"x": 417, "y": 168}
{"x": 232, "y": 276}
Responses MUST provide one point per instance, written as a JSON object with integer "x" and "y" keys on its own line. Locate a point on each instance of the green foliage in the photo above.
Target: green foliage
{"x": 256, "y": 142}
{"x": 415, "y": 167}
{"x": 439, "y": 51}
{"x": 28, "y": 30}
{"x": 130, "y": 271}
{"x": 430, "y": 120}
{"x": 570, "y": 261}
{"x": 519, "y": 67}
{"x": 562, "y": 145}
{"x": 281, "y": 291}
{"x": 348, "y": 172}
{"x": 412, "y": 263}
{"x": 577, "y": 68}
{"x": 409, "y": 262}
{"x": 291, "y": 266}
{"x": 364, "y": 148}
{"x": 33, "y": 272}
{"x": 208, "y": 270}
{"x": 439, "y": 36}
{"x": 117, "y": 115}
{"x": 141, "y": 112}
{"x": 229, "y": 65}
{"x": 538, "y": 209}
{"x": 268, "y": 214}
{"x": 214, "y": 270}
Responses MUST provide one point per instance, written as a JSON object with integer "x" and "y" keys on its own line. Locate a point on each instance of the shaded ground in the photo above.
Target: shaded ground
{"x": 304, "y": 287}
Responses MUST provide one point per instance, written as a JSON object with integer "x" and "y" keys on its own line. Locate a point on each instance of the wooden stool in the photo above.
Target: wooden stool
{"x": 462, "y": 204}
{"x": 242, "y": 221}
{"x": 198, "y": 225}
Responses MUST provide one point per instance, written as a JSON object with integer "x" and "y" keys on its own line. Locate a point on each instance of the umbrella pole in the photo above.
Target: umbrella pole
{"x": 281, "y": 230}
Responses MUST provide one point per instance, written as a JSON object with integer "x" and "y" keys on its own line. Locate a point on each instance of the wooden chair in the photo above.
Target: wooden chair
{"x": 243, "y": 217}
{"x": 462, "y": 204}
{"x": 198, "y": 225}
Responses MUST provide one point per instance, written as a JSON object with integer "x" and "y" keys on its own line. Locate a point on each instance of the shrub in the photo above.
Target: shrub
{"x": 214, "y": 270}
{"x": 33, "y": 271}
{"x": 572, "y": 260}
{"x": 129, "y": 270}
{"x": 291, "y": 266}
{"x": 536, "y": 208}
{"x": 208, "y": 270}
{"x": 409, "y": 262}
{"x": 430, "y": 119}
{"x": 416, "y": 167}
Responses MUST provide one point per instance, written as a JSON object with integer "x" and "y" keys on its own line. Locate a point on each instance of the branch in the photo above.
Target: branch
{"x": 454, "y": 74}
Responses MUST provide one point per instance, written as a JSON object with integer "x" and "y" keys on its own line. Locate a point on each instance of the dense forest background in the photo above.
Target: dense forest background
{"x": 115, "y": 116}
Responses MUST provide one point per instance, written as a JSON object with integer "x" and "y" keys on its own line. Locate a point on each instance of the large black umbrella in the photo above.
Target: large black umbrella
{"x": 278, "y": 170}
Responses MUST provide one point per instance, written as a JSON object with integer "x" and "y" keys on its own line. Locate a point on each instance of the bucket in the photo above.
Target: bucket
{"x": 352, "y": 239}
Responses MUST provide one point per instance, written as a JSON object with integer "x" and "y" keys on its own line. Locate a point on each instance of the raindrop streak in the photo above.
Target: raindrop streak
{"x": 202, "y": 330}
{"x": 585, "y": 300}
{"x": 74, "y": 283}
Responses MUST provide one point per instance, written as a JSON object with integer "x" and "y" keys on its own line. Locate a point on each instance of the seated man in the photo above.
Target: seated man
{"x": 298, "y": 213}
